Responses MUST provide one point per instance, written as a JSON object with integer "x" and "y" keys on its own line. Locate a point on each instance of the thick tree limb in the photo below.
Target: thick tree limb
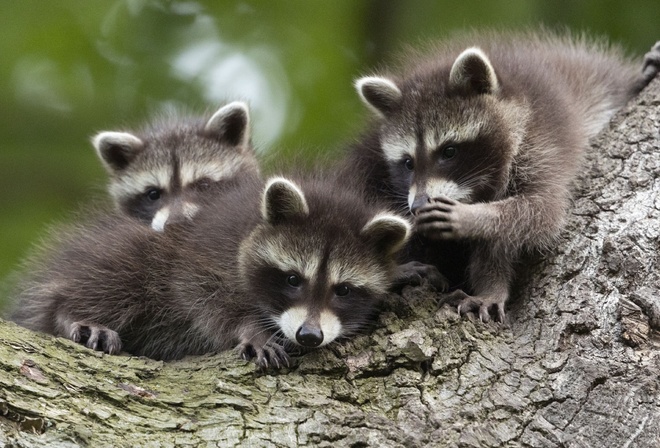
{"x": 578, "y": 364}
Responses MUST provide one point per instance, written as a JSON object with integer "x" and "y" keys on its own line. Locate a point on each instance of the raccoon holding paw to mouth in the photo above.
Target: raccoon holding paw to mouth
{"x": 261, "y": 269}
{"x": 481, "y": 139}
{"x": 162, "y": 174}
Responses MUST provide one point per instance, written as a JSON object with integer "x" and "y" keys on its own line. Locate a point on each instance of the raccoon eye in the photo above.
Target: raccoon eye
{"x": 293, "y": 280}
{"x": 342, "y": 290}
{"x": 153, "y": 194}
{"x": 449, "y": 152}
{"x": 409, "y": 164}
{"x": 203, "y": 184}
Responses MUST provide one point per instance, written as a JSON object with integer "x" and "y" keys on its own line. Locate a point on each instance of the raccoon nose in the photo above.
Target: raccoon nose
{"x": 420, "y": 201}
{"x": 309, "y": 336}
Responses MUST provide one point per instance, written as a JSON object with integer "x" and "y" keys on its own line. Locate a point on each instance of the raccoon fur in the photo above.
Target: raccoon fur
{"x": 481, "y": 139}
{"x": 162, "y": 174}
{"x": 261, "y": 268}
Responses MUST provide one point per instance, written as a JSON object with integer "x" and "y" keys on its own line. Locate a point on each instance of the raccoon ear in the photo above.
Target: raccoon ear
{"x": 230, "y": 124}
{"x": 387, "y": 231}
{"x": 282, "y": 201}
{"x": 116, "y": 149}
{"x": 473, "y": 70}
{"x": 379, "y": 94}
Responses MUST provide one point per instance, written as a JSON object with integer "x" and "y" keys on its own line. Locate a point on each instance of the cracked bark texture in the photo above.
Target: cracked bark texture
{"x": 577, "y": 365}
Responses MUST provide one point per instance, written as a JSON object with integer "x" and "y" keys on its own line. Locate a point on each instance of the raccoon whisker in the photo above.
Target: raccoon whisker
{"x": 396, "y": 194}
{"x": 480, "y": 176}
{"x": 403, "y": 210}
{"x": 268, "y": 324}
{"x": 278, "y": 337}
{"x": 400, "y": 198}
{"x": 266, "y": 327}
{"x": 287, "y": 343}
{"x": 355, "y": 328}
{"x": 479, "y": 179}
{"x": 478, "y": 172}
{"x": 475, "y": 169}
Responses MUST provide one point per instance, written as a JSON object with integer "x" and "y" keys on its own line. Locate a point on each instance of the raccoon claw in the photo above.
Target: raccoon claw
{"x": 413, "y": 273}
{"x": 96, "y": 337}
{"x": 482, "y": 306}
{"x": 268, "y": 355}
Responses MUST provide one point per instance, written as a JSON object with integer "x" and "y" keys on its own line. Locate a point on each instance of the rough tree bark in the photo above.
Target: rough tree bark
{"x": 577, "y": 365}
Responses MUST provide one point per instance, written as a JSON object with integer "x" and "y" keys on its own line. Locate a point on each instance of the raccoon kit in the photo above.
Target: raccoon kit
{"x": 262, "y": 269}
{"x": 481, "y": 139}
{"x": 162, "y": 174}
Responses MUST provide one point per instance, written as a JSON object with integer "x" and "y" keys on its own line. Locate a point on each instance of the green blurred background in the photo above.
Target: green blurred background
{"x": 70, "y": 68}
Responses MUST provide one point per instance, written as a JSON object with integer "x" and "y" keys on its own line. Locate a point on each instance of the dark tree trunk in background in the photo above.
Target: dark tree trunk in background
{"x": 578, "y": 365}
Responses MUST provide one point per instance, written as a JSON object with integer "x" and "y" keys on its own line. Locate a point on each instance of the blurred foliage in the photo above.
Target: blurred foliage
{"x": 73, "y": 67}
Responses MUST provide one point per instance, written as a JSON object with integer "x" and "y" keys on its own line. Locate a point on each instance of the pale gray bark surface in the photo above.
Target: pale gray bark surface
{"x": 578, "y": 364}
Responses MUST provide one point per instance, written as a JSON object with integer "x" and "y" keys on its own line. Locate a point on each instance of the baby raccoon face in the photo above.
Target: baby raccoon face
{"x": 316, "y": 289}
{"x": 164, "y": 177}
{"x": 311, "y": 280}
{"x": 435, "y": 152}
{"x": 455, "y": 139}
{"x": 173, "y": 190}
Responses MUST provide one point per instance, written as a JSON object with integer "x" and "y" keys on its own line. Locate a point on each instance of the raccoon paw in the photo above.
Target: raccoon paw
{"x": 414, "y": 273}
{"x": 651, "y": 64}
{"x": 264, "y": 356}
{"x": 484, "y": 307}
{"x": 442, "y": 218}
{"x": 96, "y": 337}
